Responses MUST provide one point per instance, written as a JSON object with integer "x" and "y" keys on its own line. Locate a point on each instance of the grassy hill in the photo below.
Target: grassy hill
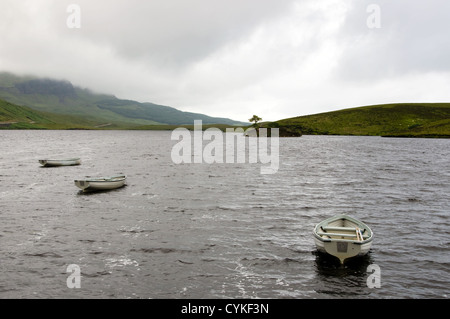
{"x": 13, "y": 116}
{"x": 61, "y": 97}
{"x": 395, "y": 120}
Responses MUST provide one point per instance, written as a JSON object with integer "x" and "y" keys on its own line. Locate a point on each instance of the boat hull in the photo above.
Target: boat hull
{"x": 342, "y": 250}
{"x": 343, "y": 237}
{"x": 54, "y": 163}
{"x": 100, "y": 184}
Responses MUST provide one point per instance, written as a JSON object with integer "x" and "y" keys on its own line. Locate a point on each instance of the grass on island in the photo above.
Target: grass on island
{"x": 395, "y": 120}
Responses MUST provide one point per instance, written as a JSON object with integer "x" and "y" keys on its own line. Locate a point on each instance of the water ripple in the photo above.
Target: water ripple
{"x": 221, "y": 231}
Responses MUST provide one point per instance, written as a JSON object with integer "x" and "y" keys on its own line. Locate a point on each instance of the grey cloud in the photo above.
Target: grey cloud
{"x": 227, "y": 57}
{"x": 172, "y": 33}
{"x": 413, "y": 38}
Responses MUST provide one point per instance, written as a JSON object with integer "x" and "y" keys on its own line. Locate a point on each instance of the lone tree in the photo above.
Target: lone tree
{"x": 255, "y": 119}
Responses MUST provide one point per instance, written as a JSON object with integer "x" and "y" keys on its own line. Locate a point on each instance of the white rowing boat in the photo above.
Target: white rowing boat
{"x": 60, "y": 162}
{"x": 343, "y": 237}
{"x": 101, "y": 183}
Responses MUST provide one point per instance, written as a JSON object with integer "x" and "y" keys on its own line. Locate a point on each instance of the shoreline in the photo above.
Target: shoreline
{"x": 5, "y": 126}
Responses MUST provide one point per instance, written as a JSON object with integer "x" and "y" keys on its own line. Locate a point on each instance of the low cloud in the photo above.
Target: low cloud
{"x": 276, "y": 59}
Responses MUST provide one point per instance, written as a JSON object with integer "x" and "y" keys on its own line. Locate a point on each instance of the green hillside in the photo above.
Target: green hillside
{"x": 395, "y": 120}
{"x": 61, "y": 97}
{"x": 21, "y": 117}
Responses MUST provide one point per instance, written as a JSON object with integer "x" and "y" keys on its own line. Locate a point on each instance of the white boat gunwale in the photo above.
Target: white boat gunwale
{"x": 103, "y": 179}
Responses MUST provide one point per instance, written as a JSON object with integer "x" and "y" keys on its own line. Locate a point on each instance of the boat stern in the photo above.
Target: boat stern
{"x": 43, "y": 162}
{"x": 82, "y": 184}
{"x": 342, "y": 249}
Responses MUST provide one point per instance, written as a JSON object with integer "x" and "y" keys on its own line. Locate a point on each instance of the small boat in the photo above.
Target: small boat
{"x": 343, "y": 237}
{"x": 60, "y": 162}
{"x": 101, "y": 183}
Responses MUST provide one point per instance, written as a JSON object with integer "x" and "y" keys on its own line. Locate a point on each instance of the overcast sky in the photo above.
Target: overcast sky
{"x": 235, "y": 58}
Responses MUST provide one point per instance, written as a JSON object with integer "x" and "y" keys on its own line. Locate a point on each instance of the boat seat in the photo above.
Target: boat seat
{"x": 340, "y": 235}
{"x": 336, "y": 234}
{"x": 339, "y": 228}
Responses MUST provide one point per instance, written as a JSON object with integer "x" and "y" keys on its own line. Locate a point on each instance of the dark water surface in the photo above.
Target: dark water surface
{"x": 220, "y": 230}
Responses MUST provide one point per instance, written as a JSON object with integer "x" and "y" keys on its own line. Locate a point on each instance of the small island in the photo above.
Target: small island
{"x": 431, "y": 120}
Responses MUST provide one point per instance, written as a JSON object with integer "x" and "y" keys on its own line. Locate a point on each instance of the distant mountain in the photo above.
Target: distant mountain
{"x": 61, "y": 97}
{"x": 395, "y": 120}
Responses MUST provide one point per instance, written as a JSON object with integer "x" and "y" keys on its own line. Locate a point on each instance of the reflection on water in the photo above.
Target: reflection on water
{"x": 99, "y": 191}
{"x": 341, "y": 280}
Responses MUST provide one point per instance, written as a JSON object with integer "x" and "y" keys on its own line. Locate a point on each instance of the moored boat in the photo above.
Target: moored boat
{"x": 343, "y": 236}
{"x": 60, "y": 162}
{"x": 101, "y": 183}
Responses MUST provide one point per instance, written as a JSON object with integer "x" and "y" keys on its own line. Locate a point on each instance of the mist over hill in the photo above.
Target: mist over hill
{"x": 61, "y": 97}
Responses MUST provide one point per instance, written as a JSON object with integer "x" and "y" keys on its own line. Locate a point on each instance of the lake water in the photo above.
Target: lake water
{"x": 220, "y": 230}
